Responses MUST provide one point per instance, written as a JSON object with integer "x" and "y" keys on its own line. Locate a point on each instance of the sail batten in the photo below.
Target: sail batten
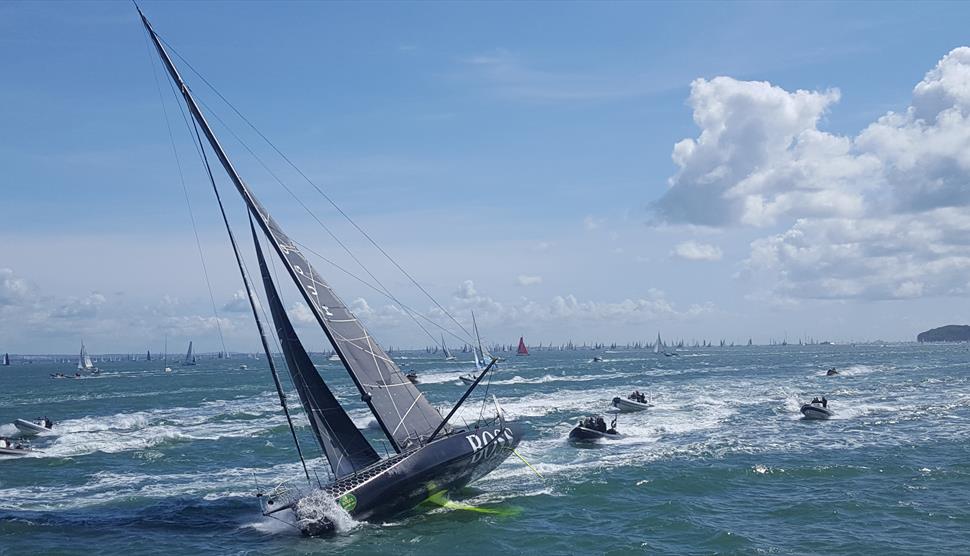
{"x": 404, "y": 414}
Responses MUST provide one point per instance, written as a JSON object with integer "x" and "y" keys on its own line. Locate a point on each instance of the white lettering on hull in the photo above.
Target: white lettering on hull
{"x": 486, "y": 444}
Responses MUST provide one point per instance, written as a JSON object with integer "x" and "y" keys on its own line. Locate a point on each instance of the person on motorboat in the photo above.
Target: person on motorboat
{"x": 5, "y": 443}
{"x": 48, "y": 423}
{"x": 825, "y": 403}
{"x": 815, "y": 400}
{"x": 612, "y": 429}
{"x": 600, "y": 424}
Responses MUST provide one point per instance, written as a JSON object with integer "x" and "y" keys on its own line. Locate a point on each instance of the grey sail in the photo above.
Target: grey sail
{"x": 344, "y": 445}
{"x": 404, "y": 414}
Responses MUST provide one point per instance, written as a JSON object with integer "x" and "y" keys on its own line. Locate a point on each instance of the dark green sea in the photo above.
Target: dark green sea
{"x": 148, "y": 462}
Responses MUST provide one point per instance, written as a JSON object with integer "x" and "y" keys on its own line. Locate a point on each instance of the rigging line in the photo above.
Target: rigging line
{"x": 253, "y": 304}
{"x": 306, "y": 387}
{"x": 384, "y": 290}
{"x": 185, "y": 192}
{"x": 407, "y": 309}
{"x": 202, "y": 157}
{"x": 485, "y": 396}
{"x": 318, "y": 189}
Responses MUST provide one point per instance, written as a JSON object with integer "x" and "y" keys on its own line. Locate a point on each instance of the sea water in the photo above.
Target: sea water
{"x": 146, "y": 461}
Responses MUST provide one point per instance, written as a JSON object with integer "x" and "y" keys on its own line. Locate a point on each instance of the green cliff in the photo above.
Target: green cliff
{"x": 948, "y": 333}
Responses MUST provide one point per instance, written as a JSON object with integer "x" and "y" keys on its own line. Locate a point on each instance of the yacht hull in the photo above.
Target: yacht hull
{"x": 398, "y": 484}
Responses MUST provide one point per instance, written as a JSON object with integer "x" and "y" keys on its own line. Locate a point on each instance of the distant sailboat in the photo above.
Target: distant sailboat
{"x": 480, "y": 363}
{"x": 444, "y": 348}
{"x": 84, "y": 361}
{"x": 149, "y": 356}
{"x": 482, "y": 355}
{"x": 522, "y": 349}
{"x": 189, "y": 358}
{"x": 656, "y": 346}
{"x": 6, "y": 359}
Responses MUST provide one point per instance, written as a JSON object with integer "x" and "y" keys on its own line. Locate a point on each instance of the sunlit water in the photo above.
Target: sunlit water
{"x": 152, "y": 462}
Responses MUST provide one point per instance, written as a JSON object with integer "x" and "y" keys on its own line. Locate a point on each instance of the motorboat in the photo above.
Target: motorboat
{"x": 597, "y": 359}
{"x": 591, "y": 429}
{"x": 468, "y": 379}
{"x": 413, "y": 377}
{"x": 31, "y": 428}
{"x": 816, "y": 410}
{"x": 627, "y": 405}
{"x": 831, "y": 372}
{"x": 10, "y": 448}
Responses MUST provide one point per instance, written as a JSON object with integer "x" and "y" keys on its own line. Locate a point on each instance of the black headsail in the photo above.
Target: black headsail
{"x": 405, "y": 415}
{"x": 345, "y": 447}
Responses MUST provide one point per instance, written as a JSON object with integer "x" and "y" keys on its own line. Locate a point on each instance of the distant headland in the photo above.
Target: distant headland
{"x": 948, "y": 333}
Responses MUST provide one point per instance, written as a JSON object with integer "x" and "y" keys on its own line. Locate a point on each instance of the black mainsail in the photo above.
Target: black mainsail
{"x": 405, "y": 415}
{"x": 345, "y": 447}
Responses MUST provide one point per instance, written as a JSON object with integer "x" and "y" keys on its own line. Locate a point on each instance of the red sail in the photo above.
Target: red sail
{"x": 522, "y": 349}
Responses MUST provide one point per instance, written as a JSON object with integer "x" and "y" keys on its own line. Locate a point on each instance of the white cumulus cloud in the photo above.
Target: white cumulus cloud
{"x": 694, "y": 251}
{"x": 525, "y": 280}
{"x": 882, "y": 214}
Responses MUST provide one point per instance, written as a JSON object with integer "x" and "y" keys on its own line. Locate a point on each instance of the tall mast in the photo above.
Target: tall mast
{"x": 404, "y": 414}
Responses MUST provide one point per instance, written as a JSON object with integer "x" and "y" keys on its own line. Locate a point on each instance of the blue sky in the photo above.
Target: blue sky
{"x": 516, "y": 157}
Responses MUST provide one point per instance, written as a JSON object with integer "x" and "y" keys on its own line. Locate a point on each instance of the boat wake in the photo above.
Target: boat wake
{"x": 318, "y": 512}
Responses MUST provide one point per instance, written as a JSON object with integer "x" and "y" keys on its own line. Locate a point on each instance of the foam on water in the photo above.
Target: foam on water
{"x": 144, "y": 429}
{"x": 318, "y": 508}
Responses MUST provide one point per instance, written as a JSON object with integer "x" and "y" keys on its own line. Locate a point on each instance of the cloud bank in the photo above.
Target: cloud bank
{"x": 878, "y": 215}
